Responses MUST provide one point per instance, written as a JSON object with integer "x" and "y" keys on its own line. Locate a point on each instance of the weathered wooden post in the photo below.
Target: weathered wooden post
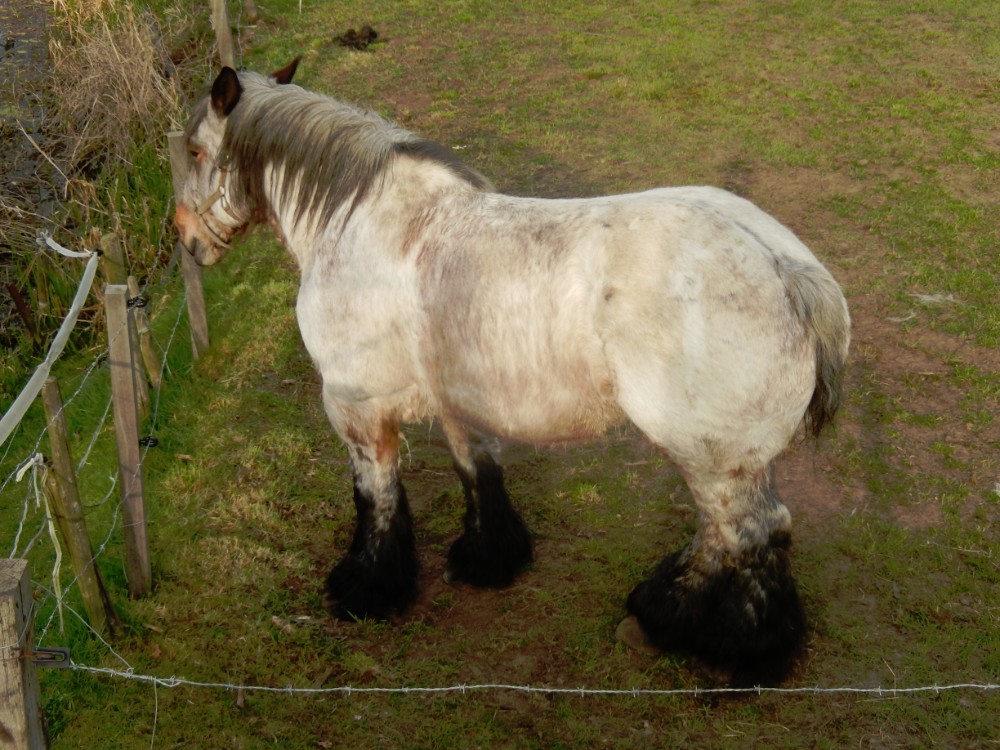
{"x": 123, "y": 395}
{"x": 194, "y": 289}
{"x": 68, "y": 513}
{"x": 223, "y": 34}
{"x": 112, "y": 259}
{"x": 149, "y": 355}
{"x": 21, "y": 721}
{"x": 113, "y": 265}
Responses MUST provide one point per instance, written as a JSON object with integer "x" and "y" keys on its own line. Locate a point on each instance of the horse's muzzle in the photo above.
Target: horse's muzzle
{"x": 206, "y": 245}
{"x": 186, "y": 222}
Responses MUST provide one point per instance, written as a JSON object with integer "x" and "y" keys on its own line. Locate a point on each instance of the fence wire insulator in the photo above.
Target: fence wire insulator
{"x": 139, "y": 301}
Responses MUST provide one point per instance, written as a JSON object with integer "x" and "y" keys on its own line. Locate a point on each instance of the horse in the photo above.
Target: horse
{"x": 427, "y": 294}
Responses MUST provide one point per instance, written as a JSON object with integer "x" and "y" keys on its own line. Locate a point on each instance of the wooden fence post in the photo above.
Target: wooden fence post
{"x": 122, "y": 361}
{"x": 195, "y": 293}
{"x": 21, "y": 720}
{"x": 113, "y": 265}
{"x": 223, "y": 34}
{"x": 112, "y": 259}
{"x": 193, "y": 288}
{"x": 68, "y": 513}
{"x": 149, "y": 355}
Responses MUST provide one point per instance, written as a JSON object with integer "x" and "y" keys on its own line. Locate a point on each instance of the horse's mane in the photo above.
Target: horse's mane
{"x": 335, "y": 151}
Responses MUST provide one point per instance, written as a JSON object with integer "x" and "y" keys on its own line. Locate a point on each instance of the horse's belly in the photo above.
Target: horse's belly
{"x": 531, "y": 403}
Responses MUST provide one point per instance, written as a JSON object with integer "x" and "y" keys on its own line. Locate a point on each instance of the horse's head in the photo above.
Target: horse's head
{"x": 210, "y": 209}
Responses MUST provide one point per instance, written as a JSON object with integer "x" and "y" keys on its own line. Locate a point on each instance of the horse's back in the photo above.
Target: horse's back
{"x": 548, "y": 318}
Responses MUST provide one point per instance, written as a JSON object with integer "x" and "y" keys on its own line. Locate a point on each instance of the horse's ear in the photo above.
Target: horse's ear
{"x": 226, "y": 92}
{"x": 285, "y": 74}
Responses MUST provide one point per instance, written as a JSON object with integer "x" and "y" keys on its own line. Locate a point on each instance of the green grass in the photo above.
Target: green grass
{"x": 865, "y": 126}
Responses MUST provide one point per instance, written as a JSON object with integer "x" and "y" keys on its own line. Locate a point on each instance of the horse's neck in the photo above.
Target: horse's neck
{"x": 298, "y": 237}
{"x": 379, "y": 222}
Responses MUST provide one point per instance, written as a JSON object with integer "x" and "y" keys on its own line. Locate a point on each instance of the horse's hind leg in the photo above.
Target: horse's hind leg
{"x": 729, "y": 596}
{"x": 379, "y": 573}
{"x": 495, "y": 544}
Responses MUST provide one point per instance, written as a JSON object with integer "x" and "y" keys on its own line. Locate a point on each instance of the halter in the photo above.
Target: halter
{"x": 217, "y": 196}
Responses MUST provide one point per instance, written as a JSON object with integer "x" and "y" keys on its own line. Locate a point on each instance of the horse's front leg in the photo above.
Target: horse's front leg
{"x": 378, "y": 576}
{"x": 495, "y": 544}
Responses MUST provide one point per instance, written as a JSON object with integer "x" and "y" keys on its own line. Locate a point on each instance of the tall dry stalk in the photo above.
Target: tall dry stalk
{"x": 110, "y": 86}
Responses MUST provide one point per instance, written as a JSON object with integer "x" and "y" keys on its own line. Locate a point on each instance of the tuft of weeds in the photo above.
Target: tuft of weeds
{"x": 112, "y": 88}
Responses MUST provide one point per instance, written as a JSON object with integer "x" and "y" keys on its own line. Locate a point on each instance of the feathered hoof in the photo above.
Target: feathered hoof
{"x": 739, "y": 613}
{"x": 490, "y": 560}
{"x": 358, "y": 589}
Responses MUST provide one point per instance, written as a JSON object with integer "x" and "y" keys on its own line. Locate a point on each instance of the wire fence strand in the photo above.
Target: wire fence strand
{"x": 882, "y": 692}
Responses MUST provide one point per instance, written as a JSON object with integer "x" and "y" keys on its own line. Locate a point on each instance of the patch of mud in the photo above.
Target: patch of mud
{"x": 813, "y": 487}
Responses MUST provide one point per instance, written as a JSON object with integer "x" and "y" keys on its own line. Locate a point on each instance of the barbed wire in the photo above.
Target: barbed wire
{"x": 466, "y": 689}
{"x": 71, "y": 610}
{"x": 113, "y": 480}
{"x": 34, "y": 452}
{"x": 95, "y": 433}
{"x": 116, "y": 517}
{"x": 175, "y": 682}
{"x": 130, "y": 674}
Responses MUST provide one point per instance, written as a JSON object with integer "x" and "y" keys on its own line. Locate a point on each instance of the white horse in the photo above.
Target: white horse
{"x": 426, "y": 294}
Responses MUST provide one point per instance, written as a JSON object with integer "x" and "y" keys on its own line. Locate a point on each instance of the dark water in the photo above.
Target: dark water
{"x": 23, "y": 41}
{"x": 25, "y": 193}
{"x": 24, "y": 63}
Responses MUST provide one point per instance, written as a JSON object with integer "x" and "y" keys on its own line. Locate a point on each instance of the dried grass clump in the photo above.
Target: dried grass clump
{"x": 111, "y": 86}
{"x": 77, "y": 14}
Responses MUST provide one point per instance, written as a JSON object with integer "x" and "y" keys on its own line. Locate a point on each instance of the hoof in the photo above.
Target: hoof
{"x": 378, "y": 576}
{"x": 356, "y": 589}
{"x": 490, "y": 561}
{"x": 630, "y": 632}
{"x": 496, "y": 544}
{"x": 741, "y": 613}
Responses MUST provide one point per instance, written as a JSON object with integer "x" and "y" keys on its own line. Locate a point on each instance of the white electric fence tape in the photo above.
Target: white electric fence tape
{"x": 13, "y": 416}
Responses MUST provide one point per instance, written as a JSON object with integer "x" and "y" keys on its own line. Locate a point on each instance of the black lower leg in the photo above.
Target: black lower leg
{"x": 739, "y": 611}
{"x": 379, "y": 573}
{"x": 496, "y": 544}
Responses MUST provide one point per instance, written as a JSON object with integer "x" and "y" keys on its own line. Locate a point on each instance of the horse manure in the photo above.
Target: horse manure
{"x": 358, "y": 39}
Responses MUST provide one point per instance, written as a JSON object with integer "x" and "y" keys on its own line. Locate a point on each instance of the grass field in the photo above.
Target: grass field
{"x": 870, "y": 129}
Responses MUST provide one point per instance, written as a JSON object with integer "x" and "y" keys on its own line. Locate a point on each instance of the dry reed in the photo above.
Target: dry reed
{"x": 112, "y": 86}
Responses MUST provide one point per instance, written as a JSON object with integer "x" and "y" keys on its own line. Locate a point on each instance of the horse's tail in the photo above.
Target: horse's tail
{"x": 820, "y": 305}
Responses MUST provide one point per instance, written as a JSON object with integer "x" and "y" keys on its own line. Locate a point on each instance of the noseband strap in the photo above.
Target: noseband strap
{"x": 218, "y": 195}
